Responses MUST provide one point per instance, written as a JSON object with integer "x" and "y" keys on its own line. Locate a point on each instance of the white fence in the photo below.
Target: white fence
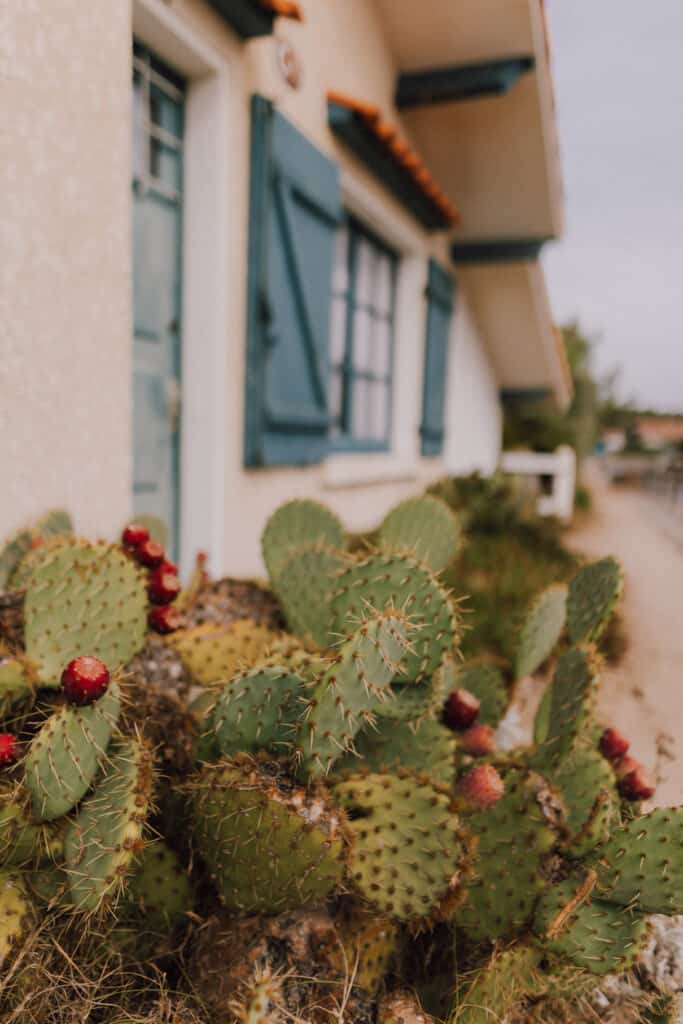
{"x": 559, "y": 470}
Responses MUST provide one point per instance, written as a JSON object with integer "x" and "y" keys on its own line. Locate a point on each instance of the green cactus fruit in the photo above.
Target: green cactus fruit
{"x": 589, "y": 795}
{"x": 596, "y": 936}
{"x": 344, "y": 699}
{"x": 159, "y": 892}
{"x": 495, "y": 990}
{"x": 401, "y": 1008}
{"x": 16, "y": 682}
{"x": 573, "y": 689}
{"x": 427, "y": 747}
{"x": 369, "y": 945}
{"x": 12, "y": 551}
{"x": 487, "y": 684}
{"x": 83, "y": 599}
{"x": 256, "y": 711}
{"x": 542, "y": 629}
{"x": 424, "y": 527}
{"x": 642, "y": 863}
{"x": 408, "y": 855}
{"x": 304, "y": 587}
{"x": 298, "y": 524}
{"x": 16, "y": 914}
{"x": 593, "y": 596}
{"x": 514, "y": 838}
{"x": 55, "y": 523}
{"x": 394, "y": 581}
{"x": 270, "y": 846}
{"x": 101, "y": 843}
{"x": 213, "y": 653}
{"x": 67, "y": 752}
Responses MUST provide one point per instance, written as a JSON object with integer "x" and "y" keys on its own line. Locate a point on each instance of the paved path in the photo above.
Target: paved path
{"x": 643, "y": 696}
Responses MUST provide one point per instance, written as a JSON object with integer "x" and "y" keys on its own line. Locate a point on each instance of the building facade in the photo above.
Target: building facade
{"x": 258, "y": 249}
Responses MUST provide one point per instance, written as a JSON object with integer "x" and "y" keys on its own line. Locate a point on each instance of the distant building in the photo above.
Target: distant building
{"x": 255, "y": 249}
{"x": 660, "y": 432}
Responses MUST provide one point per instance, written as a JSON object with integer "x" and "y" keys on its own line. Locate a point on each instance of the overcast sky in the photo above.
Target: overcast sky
{"x": 618, "y": 68}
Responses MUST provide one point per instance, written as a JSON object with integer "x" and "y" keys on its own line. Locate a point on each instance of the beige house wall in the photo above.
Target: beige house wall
{"x": 67, "y": 285}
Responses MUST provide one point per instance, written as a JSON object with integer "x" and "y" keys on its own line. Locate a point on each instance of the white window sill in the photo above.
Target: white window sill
{"x": 358, "y": 470}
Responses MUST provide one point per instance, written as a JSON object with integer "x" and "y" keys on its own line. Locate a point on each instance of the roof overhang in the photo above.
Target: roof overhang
{"x": 493, "y": 148}
{"x": 251, "y": 18}
{"x": 509, "y": 301}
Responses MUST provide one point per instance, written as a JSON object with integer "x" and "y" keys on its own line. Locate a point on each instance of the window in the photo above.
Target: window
{"x": 361, "y": 348}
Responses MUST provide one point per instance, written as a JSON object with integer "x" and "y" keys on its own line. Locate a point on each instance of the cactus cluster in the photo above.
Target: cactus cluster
{"x": 325, "y": 828}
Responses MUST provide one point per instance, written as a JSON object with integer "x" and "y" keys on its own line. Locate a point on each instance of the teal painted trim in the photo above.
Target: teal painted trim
{"x": 500, "y": 250}
{"x": 246, "y": 17}
{"x": 441, "y": 301}
{"x": 257, "y": 293}
{"x": 524, "y": 394}
{"x": 460, "y": 81}
{"x": 352, "y": 130}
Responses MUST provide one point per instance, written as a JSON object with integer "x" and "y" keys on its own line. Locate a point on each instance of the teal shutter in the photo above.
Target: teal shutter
{"x": 295, "y": 207}
{"x": 440, "y": 306}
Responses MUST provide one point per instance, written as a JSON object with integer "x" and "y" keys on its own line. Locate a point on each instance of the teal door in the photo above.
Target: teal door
{"x": 157, "y": 238}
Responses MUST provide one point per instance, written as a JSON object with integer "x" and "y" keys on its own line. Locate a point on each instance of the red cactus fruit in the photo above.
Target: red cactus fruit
{"x": 164, "y": 619}
{"x": 163, "y": 586}
{"x": 9, "y": 748}
{"x": 167, "y": 566}
{"x": 637, "y": 784}
{"x": 84, "y": 680}
{"x": 149, "y": 553}
{"x": 478, "y": 740}
{"x": 481, "y": 785}
{"x": 134, "y": 535}
{"x": 37, "y": 542}
{"x": 461, "y": 709}
{"x": 625, "y": 765}
{"x": 613, "y": 745}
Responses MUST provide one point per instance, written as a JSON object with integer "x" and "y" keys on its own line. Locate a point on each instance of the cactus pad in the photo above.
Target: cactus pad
{"x": 213, "y": 654}
{"x": 23, "y": 841}
{"x": 15, "y": 913}
{"x": 541, "y": 630}
{"x": 593, "y": 596}
{"x": 487, "y": 684}
{"x": 298, "y": 524}
{"x": 571, "y": 702}
{"x": 408, "y": 854}
{"x": 12, "y": 551}
{"x": 495, "y": 989}
{"x": 159, "y": 891}
{"x": 81, "y": 599}
{"x": 16, "y": 682}
{"x": 385, "y": 581}
{"x": 514, "y": 839}
{"x": 589, "y": 795}
{"x": 370, "y": 943}
{"x": 270, "y": 847}
{"x": 427, "y": 747}
{"x": 304, "y": 587}
{"x": 256, "y": 710}
{"x": 601, "y": 938}
{"x": 100, "y": 844}
{"x": 642, "y": 863}
{"x": 67, "y": 752}
{"x": 356, "y": 683}
{"x": 425, "y": 527}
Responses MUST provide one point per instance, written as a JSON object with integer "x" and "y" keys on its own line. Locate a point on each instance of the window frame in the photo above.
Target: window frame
{"x": 357, "y": 231}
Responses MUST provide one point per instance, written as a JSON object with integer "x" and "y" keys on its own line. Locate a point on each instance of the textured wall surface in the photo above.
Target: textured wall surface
{"x": 65, "y": 260}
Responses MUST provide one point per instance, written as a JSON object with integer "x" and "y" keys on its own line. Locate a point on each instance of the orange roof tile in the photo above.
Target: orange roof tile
{"x": 401, "y": 151}
{"x": 284, "y": 8}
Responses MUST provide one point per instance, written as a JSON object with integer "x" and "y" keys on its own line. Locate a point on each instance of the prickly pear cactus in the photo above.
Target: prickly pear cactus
{"x": 214, "y": 654}
{"x": 593, "y": 596}
{"x": 16, "y": 914}
{"x": 424, "y": 527}
{"x": 296, "y": 525}
{"x": 541, "y": 630}
{"x": 105, "y": 614}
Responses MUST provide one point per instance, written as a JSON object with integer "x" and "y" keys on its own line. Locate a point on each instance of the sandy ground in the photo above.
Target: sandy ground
{"x": 643, "y": 697}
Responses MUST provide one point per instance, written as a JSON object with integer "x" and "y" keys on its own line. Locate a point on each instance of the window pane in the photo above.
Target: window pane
{"x": 338, "y": 331}
{"x": 340, "y": 277}
{"x": 362, "y": 340}
{"x": 335, "y": 399}
{"x": 381, "y": 348}
{"x": 165, "y": 164}
{"x": 139, "y": 129}
{"x": 360, "y": 409}
{"x": 382, "y": 297}
{"x": 365, "y": 271}
{"x": 378, "y": 410}
{"x": 165, "y": 112}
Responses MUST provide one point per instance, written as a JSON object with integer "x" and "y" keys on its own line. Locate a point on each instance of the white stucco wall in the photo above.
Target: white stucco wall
{"x": 65, "y": 434}
{"x": 65, "y": 337}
